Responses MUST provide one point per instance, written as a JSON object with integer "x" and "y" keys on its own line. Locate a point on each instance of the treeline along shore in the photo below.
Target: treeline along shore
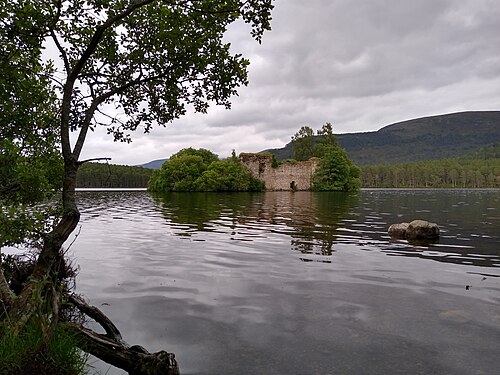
{"x": 480, "y": 169}
{"x": 103, "y": 175}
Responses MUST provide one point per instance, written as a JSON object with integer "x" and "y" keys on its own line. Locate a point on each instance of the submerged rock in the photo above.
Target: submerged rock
{"x": 416, "y": 230}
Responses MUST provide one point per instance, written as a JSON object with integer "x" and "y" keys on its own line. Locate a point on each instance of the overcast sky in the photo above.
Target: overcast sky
{"x": 359, "y": 65}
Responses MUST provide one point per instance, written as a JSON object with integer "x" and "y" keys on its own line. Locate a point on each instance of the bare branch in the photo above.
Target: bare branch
{"x": 74, "y": 239}
{"x": 93, "y": 312}
{"x": 134, "y": 360}
{"x": 93, "y": 159}
{"x": 112, "y": 349}
{"x": 62, "y": 51}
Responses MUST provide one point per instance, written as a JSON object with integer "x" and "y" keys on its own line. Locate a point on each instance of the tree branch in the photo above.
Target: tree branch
{"x": 135, "y": 360}
{"x": 93, "y": 159}
{"x": 101, "y": 99}
{"x": 73, "y": 75}
{"x": 64, "y": 56}
{"x": 96, "y": 38}
{"x": 93, "y": 312}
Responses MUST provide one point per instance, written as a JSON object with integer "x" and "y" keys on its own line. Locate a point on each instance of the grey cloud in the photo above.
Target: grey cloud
{"x": 371, "y": 48}
{"x": 357, "y": 64}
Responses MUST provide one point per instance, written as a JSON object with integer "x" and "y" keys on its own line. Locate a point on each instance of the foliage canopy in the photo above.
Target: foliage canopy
{"x": 335, "y": 170}
{"x": 30, "y": 161}
{"x": 201, "y": 170}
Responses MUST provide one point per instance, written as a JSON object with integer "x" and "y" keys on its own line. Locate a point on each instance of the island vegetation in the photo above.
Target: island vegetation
{"x": 125, "y": 64}
{"x": 201, "y": 170}
{"x": 335, "y": 171}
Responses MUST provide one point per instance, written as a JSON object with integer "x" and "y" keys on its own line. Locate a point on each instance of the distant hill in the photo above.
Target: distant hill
{"x": 426, "y": 138}
{"x": 155, "y": 164}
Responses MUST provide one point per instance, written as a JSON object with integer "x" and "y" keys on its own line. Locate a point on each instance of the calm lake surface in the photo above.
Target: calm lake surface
{"x": 297, "y": 283}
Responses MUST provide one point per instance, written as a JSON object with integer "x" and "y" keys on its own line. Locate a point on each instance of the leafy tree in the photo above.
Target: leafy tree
{"x": 200, "y": 170}
{"x": 182, "y": 170}
{"x": 30, "y": 163}
{"x": 149, "y": 61}
{"x": 336, "y": 172}
{"x": 326, "y": 140}
{"x": 228, "y": 175}
{"x": 303, "y": 143}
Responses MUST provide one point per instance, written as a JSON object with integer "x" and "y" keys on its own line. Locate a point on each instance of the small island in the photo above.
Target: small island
{"x": 319, "y": 164}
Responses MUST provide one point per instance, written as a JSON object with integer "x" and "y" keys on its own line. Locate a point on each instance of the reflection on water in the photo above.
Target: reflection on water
{"x": 298, "y": 283}
{"x": 311, "y": 220}
{"x": 317, "y": 222}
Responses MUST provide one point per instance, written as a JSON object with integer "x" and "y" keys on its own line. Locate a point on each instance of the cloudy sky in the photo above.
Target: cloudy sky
{"x": 359, "y": 64}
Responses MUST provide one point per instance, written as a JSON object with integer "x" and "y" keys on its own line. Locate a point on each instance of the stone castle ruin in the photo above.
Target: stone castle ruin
{"x": 296, "y": 175}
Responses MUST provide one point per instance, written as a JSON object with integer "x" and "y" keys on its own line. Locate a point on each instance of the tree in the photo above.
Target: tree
{"x": 103, "y": 175}
{"x": 326, "y": 140}
{"x": 228, "y": 175}
{"x": 29, "y": 156}
{"x": 201, "y": 170}
{"x": 336, "y": 172}
{"x": 151, "y": 61}
{"x": 182, "y": 170}
{"x": 303, "y": 144}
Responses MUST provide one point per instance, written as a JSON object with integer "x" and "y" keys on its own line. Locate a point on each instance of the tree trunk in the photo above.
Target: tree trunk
{"x": 135, "y": 360}
{"x": 112, "y": 349}
{"x": 40, "y": 297}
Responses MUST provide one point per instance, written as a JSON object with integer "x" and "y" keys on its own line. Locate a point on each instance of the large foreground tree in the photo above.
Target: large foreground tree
{"x": 126, "y": 64}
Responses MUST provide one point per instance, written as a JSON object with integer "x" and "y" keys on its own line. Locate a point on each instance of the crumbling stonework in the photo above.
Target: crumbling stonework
{"x": 287, "y": 176}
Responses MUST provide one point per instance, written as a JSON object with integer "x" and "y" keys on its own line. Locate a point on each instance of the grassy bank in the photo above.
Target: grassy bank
{"x": 26, "y": 353}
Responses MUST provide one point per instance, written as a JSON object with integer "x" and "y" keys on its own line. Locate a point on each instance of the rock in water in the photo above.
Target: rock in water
{"x": 421, "y": 229}
{"x": 398, "y": 230}
{"x": 416, "y": 230}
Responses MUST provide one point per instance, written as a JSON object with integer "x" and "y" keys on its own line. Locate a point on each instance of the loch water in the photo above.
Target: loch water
{"x": 297, "y": 283}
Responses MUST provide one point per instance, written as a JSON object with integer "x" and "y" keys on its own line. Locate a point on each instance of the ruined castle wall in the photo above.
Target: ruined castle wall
{"x": 288, "y": 176}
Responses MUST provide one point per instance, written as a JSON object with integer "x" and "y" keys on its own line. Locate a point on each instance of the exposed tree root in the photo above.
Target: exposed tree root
{"x": 112, "y": 349}
{"x": 40, "y": 299}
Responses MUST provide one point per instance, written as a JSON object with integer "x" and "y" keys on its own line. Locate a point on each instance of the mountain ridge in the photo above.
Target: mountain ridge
{"x": 424, "y": 138}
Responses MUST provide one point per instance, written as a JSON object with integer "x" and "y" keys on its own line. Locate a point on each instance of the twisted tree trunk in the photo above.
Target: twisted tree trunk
{"x": 112, "y": 349}
{"x": 40, "y": 297}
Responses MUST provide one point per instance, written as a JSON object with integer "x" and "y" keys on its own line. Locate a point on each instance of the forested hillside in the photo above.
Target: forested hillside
{"x": 453, "y": 150}
{"x": 480, "y": 169}
{"x": 427, "y": 138}
{"x": 100, "y": 175}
